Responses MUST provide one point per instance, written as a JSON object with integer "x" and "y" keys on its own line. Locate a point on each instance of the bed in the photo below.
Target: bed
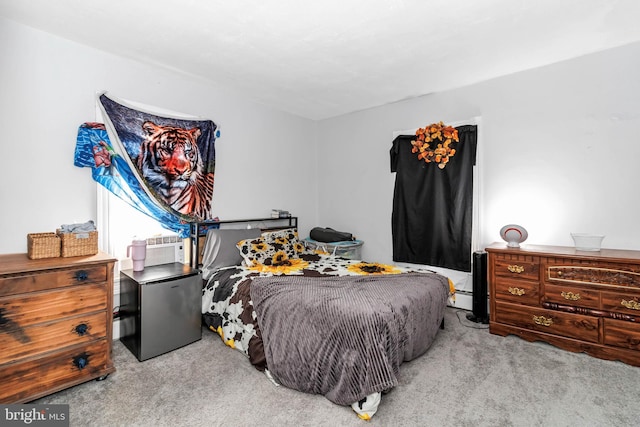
{"x": 314, "y": 322}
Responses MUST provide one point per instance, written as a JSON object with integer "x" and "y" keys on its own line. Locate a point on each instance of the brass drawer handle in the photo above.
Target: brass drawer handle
{"x": 632, "y": 305}
{"x": 515, "y": 268}
{"x": 516, "y": 291}
{"x": 570, "y": 296}
{"x": 543, "y": 321}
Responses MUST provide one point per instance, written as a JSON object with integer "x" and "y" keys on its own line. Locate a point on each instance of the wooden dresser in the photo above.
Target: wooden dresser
{"x": 579, "y": 301}
{"x": 56, "y": 320}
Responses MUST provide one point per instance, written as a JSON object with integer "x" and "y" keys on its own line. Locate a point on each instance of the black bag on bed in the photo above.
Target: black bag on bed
{"x": 328, "y": 235}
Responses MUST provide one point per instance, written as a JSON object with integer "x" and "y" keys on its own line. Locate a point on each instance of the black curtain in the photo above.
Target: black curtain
{"x": 433, "y": 207}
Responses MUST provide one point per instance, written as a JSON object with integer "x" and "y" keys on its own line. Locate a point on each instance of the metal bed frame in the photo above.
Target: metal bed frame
{"x": 199, "y": 229}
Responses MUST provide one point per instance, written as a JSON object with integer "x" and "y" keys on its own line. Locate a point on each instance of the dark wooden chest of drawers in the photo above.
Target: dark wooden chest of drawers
{"x": 56, "y": 319}
{"x": 579, "y": 301}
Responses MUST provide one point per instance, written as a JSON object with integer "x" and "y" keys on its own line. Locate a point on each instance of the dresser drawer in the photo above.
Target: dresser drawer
{"x": 517, "y": 291}
{"x": 37, "y": 339}
{"x": 571, "y": 295}
{"x": 517, "y": 269}
{"x": 597, "y": 273}
{"x": 621, "y": 302}
{"x": 23, "y": 380}
{"x": 20, "y": 311}
{"x": 39, "y": 281}
{"x": 569, "y": 325}
{"x": 623, "y": 334}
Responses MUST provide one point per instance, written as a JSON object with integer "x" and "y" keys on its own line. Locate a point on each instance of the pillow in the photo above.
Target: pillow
{"x": 289, "y": 233}
{"x": 283, "y": 240}
{"x": 259, "y": 251}
{"x": 287, "y": 241}
{"x": 271, "y": 248}
{"x": 220, "y": 248}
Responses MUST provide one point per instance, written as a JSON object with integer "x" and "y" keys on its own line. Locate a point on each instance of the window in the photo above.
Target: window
{"x": 118, "y": 223}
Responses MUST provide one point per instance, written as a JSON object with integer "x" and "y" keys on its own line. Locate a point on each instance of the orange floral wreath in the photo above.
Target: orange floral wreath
{"x": 443, "y": 151}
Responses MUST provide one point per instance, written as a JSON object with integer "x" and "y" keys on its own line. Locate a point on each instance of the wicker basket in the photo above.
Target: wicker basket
{"x": 78, "y": 244}
{"x": 43, "y": 245}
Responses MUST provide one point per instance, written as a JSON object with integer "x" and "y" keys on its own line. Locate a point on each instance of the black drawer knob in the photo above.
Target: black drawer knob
{"x": 81, "y": 361}
{"x": 81, "y": 276}
{"x": 81, "y": 329}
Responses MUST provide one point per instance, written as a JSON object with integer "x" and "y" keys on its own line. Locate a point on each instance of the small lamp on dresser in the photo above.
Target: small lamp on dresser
{"x": 513, "y": 234}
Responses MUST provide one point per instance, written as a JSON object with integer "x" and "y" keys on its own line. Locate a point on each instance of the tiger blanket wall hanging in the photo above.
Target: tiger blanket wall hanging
{"x": 172, "y": 157}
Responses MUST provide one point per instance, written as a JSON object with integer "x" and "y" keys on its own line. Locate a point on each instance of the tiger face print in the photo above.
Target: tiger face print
{"x": 170, "y": 162}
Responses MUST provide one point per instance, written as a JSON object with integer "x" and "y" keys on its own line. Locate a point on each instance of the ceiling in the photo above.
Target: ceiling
{"x": 324, "y": 58}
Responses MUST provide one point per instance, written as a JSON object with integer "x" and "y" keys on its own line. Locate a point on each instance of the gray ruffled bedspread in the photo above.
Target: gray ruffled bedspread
{"x": 346, "y": 337}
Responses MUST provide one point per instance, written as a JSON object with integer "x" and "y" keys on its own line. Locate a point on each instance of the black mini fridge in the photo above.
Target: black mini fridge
{"x": 160, "y": 309}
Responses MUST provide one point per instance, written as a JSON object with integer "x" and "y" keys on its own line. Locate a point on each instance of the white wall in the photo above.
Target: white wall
{"x": 559, "y": 148}
{"x": 47, "y": 89}
{"x": 559, "y": 153}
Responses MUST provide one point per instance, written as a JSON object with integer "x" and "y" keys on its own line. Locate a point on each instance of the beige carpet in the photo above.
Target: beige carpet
{"x": 467, "y": 378}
